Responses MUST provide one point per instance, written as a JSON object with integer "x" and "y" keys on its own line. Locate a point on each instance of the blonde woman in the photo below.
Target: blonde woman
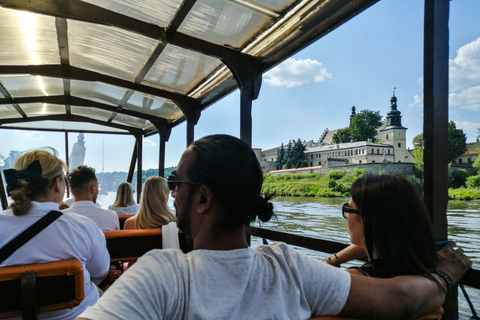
{"x": 124, "y": 201}
{"x": 37, "y": 186}
{"x": 154, "y": 211}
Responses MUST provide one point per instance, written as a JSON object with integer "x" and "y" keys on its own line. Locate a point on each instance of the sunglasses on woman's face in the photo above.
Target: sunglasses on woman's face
{"x": 346, "y": 210}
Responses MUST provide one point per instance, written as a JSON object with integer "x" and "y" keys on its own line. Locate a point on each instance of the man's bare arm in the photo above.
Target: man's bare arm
{"x": 404, "y": 297}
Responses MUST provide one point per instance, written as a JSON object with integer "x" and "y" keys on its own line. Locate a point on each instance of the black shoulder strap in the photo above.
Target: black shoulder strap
{"x": 28, "y": 234}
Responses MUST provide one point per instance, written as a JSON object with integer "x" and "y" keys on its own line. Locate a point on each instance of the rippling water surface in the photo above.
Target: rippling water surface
{"x": 321, "y": 218}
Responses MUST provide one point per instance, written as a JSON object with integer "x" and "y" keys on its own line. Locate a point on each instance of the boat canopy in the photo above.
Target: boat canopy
{"x": 143, "y": 67}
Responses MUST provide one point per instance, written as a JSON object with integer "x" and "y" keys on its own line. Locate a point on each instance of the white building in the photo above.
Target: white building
{"x": 392, "y": 146}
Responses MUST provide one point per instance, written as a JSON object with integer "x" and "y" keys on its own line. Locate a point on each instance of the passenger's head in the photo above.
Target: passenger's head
{"x": 154, "y": 211}
{"x": 37, "y": 175}
{"x": 230, "y": 169}
{"x": 124, "y": 197}
{"x": 83, "y": 183}
{"x": 395, "y": 222}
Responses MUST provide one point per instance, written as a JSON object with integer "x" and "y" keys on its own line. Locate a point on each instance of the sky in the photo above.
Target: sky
{"x": 360, "y": 63}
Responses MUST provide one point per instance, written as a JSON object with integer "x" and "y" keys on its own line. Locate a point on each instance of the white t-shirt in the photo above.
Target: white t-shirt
{"x": 268, "y": 282}
{"x": 69, "y": 237}
{"x": 133, "y": 209}
{"x": 106, "y": 220}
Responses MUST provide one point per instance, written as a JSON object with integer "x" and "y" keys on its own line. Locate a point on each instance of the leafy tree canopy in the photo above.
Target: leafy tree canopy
{"x": 342, "y": 136}
{"x": 457, "y": 142}
{"x": 364, "y": 125}
{"x": 457, "y": 145}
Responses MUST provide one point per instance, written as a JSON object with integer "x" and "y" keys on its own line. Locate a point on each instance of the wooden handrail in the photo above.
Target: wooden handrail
{"x": 471, "y": 278}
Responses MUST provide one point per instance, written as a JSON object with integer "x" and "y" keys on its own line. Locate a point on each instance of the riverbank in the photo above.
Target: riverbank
{"x": 337, "y": 184}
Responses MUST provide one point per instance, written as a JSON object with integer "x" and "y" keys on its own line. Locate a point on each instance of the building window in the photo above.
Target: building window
{"x": 378, "y": 151}
{"x": 359, "y": 161}
{"x": 459, "y": 160}
{"x": 399, "y": 145}
{"x": 372, "y": 151}
{"x": 387, "y": 137}
{"x": 388, "y": 151}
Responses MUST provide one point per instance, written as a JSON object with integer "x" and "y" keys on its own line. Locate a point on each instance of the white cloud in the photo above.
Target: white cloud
{"x": 149, "y": 143}
{"x": 417, "y": 101}
{"x": 467, "y": 125}
{"x": 293, "y": 73}
{"x": 466, "y": 98}
{"x": 33, "y": 135}
{"x": 465, "y": 67}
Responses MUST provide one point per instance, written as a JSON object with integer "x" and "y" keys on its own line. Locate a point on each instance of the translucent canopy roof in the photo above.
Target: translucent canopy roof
{"x": 141, "y": 67}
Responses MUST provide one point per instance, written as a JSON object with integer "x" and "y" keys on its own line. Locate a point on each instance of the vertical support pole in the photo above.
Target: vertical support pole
{"x": 435, "y": 132}
{"x": 67, "y": 161}
{"x": 132, "y": 163}
{"x": 246, "y": 116}
{"x": 161, "y": 155}
{"x": 190, "y": 132}
{"x": 3, "y": 193}
{"x": 139, "y": 138}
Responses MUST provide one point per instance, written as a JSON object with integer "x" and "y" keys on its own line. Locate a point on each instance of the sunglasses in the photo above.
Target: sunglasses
{"x": 346, "y": 210}
{"x": 173, "y": 182}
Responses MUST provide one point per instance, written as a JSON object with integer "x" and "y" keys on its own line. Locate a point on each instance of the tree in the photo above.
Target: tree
{"x": 364, "y": 125}
{"x": 417, "y": 152}
{"x": 298, "y": 152}
{"x": 342, "y": 136}
{"x": 457, "y": 145}
{"x": 457, "y": 142}
{"x": 281, "y": 157}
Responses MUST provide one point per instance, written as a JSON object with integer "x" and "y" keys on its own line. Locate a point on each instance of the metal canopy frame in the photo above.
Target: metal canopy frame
{"x": 282, "y": 28}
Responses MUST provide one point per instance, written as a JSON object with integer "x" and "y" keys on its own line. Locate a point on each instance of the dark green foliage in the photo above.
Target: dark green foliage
{"x": 363, "y": 125}
{"x": 342, "y": 136}
{"x": 457, "y": 142}
{"x": 463, "y": 194}
{"x": 110, "y": 180}
{"x": 289, "y": 164}
{"x": 281, "y": 158}
{"x": 336, "y": 174}
{"x": 457, "y": 178}
{"x": 473, "y": 182}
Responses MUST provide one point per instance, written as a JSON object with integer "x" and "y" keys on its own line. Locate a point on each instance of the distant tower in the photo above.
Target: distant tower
{"x": 353, "y": 113}
{"x": 393, "y": 133}
{"x": 78, "y": 153}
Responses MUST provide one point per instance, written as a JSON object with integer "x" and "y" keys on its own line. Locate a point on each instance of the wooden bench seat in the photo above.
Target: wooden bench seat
{"x": 132, "y": 244}
{"x": 29, "y": 289}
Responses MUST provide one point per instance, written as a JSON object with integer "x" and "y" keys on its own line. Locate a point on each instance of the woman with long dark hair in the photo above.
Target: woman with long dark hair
{"x": 388, "y": 223}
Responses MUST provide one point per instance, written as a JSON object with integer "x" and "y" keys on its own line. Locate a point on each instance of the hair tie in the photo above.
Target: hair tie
{"x": 32, "y": 174}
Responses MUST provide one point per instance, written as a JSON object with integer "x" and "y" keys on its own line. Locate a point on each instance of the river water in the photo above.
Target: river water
{"x": 322, "y": 218}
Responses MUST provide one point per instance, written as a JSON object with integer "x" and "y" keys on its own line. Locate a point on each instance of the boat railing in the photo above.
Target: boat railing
{"x": 471, "y": 278}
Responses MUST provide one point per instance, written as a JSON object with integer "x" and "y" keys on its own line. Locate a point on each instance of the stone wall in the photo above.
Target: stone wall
{"x": 402, "y": 168}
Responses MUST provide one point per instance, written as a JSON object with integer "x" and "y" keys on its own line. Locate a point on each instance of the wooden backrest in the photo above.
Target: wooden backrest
{"x": 131, "y": 244}
{"x": 29, "y": 289}
{"x": 122, "y": 218}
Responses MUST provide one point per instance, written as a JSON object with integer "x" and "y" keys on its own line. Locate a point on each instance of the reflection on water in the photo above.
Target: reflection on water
{"x": 322, "y": 218}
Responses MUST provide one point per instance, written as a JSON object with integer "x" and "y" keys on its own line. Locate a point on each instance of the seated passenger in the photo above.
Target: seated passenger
{"x": 84, "y": 187}
{"x": 217, "y": 190}
{"x": 389, "y": 224}
{"x": 154, "y": 211}
{"x": 124, "y": 202}
{"x": 36, "y": 186}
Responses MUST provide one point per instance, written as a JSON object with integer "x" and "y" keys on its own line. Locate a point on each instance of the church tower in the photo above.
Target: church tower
{"x": 393, "y": 133}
